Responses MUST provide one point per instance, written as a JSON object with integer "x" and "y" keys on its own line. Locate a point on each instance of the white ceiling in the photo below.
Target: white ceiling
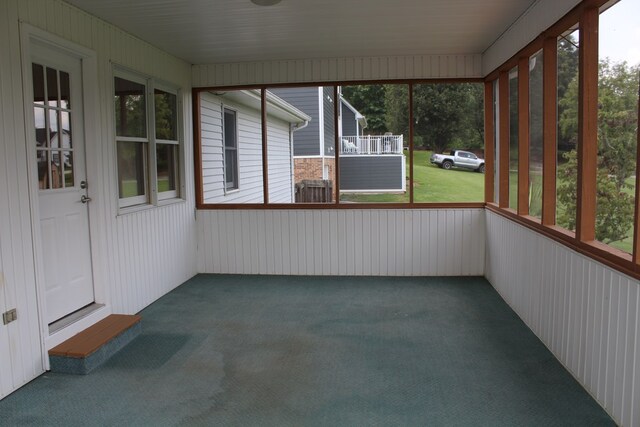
{"x": 220, "y": 31}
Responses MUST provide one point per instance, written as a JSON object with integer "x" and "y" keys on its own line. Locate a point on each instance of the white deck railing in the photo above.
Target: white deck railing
{"x": 371, "y": 144}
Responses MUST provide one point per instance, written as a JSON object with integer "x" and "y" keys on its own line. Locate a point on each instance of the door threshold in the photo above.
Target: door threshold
{"x": 74, "y": 317}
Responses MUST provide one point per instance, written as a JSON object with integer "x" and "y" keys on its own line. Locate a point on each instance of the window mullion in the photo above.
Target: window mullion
{"x": 636, "y": 222}
{"x": 523, "y": 136}
{"x": 489, "y": 195}
{"x": 265, "y": 165}
{"x": 587, "y": 126}
{"x": 336, "y": 141}
{"x": 550, "y": 129}
{"x": 151, "y": 155}
{"x": 503, "y": 147}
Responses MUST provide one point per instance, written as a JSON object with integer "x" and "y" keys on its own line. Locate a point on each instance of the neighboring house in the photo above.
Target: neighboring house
{"x": 232, "y": 147}
{"x": 313, "y": 146}
{"x": 368, "y": 163}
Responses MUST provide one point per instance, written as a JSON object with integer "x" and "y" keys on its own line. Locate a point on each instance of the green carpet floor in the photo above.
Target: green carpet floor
{"x": 310, "y": 351}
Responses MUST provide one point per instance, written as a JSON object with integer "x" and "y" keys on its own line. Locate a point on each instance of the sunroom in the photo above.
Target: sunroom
{"x": 143, "y": 147}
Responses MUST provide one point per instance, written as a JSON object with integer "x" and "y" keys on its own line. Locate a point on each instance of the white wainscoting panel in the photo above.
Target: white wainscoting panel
{"x": 338, "y": 69}
{"x": 436, "y": 242}
{"x": 586, "y": 313}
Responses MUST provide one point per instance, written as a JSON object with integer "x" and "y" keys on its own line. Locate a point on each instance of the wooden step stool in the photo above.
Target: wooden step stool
{"x": 90, "y": 348}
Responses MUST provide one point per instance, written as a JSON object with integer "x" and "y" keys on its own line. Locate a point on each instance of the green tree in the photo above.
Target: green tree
{"x": 614, "y": 210}
{"x": 396, "y": 104}
{"x": 617, "y": 147}
{"x": 446, "y": 115}
{"x": 370, "y": 101}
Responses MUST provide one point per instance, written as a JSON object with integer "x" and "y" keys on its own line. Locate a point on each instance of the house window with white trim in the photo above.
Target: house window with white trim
{"x": 230, "y": 150}
{"x": 147, "y": 140}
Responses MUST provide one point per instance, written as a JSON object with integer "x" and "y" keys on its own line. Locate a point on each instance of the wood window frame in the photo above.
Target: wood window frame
{"x": 489, "y": 135}
{"x": 586, "y": 15}
{"x": 523, "y": 135}
{"x": 197, "y": 143}
{"x": 549, "y": 128}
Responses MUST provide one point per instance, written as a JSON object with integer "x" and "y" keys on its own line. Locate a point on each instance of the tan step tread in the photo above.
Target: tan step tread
{"x": 91, "y": 339}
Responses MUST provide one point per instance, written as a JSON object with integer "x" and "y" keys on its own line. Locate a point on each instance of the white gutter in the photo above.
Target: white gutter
{"x": 292, "y": 128}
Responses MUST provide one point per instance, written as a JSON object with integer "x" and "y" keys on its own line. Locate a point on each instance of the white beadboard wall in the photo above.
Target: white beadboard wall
{"x": 141, "y": 255}
{"x": 438, "y": 242}
{"x": 586, "y": 313}
{"x": 338, "y": 69}
{"x": 540, "y": 16}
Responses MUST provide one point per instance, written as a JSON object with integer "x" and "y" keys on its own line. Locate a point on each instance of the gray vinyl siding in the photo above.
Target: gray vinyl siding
{"x": 349, "y": 126}
{"x": 371, "y": 173}
{"x": 329, "y": 122}
{"x": 306, "y": 141}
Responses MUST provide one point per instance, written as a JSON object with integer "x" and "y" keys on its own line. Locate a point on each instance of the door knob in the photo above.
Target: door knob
{"x": 85, "y": 199}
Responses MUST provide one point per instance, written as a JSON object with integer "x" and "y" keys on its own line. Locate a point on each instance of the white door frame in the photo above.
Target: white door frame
{"x": 30, "y": 34}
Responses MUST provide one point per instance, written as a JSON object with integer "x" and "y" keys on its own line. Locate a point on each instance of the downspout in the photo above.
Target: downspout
{"x": 292, "y": 128}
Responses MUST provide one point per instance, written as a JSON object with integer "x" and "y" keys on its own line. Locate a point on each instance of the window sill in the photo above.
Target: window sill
{"x": 133, "y": 209}
{"x": 139, "y": 208}
{"x": 172, "y": 201}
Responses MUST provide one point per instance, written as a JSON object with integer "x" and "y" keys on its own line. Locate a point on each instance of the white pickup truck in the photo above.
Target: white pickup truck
{"x": 459, "y": 159}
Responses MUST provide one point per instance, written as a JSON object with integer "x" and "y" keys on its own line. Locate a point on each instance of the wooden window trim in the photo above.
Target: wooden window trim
{"x": 550, "y": 129}
{"x": 336, "y": 143}
{"x": 197, "y": 147}
{"x": 587, "y": 125}
{"x": 265, "y": 153}
{"x": 583, "y": 241}
{"x": 503, "y": 139}
{"x": 411, "y": 130}
{"x": 600, "y": 252}
{"x": 636, "y": 222}
{"x": 523, "y": 136}
{"x": 197, "y": 144}
{"x": 489, "y": 130}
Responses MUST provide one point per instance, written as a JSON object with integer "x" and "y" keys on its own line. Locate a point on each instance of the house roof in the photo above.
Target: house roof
{"x": 362, "y": 120}
{"x": 276, "y": 107}
{"x": 222, "y": 31}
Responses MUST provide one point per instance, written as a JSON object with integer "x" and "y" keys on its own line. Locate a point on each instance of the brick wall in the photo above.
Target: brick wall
{"x": 312, "y": 169}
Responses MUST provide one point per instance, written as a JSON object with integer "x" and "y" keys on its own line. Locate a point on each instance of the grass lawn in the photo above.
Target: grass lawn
{"x": 130, "y": 187}
{"x": 431, "y": 184}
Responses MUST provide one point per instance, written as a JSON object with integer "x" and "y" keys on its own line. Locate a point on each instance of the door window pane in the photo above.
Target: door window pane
{"x": 65, "y": 133}
{"x": 38, "y": 83}
{"x": 54, "y": 138}
{"x": 43, "y": 169}
{"x": 131, "y": 168}
{"x": 68, "y": 168}
{"x": 56, "y": 169}
{"x": 41, "y": 126}
{"x": 130, "y": 108}
{"x": 52, "y": 87}
{"x": 65, "y": 92}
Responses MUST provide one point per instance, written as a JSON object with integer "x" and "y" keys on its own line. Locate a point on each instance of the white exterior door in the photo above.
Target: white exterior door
{"x": 64, "y": 247}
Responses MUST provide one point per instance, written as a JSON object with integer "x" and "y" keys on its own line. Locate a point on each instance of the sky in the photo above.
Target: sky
{"x": 619, "y": 32}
